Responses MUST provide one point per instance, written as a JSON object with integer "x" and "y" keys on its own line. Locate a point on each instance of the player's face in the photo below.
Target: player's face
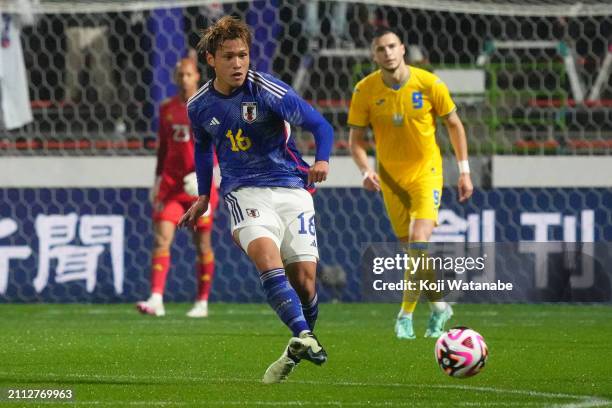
{"x": 231, "y": 63}
{"x": 187, "y": 77}
{"x": 388, "y": 52}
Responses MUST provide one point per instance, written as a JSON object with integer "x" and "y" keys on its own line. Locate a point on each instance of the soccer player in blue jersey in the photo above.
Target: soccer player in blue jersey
{"x": 246, "y": 116}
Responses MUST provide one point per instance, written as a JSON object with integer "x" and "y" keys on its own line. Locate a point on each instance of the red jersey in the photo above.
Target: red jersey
{"x": 175, "y": 156}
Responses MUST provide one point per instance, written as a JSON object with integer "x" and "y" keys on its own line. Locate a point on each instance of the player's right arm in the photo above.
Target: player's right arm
{"x": 358, "y": 121}
{"x": 357, "y": 145}
{"x": 162, "y": 151}
{"x": 204, "y": 162}
{"x": 445, "y": 108}
{"x": 295, "y": 110}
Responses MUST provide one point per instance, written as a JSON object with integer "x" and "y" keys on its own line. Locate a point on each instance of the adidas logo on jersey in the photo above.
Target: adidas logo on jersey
{"x": 214, "y": 122}
{"x": 313, "y": 243}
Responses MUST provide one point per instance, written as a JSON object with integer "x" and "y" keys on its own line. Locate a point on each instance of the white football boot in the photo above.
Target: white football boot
{"x": 153, "y": 306}
{"x": 199, "y": 309}
{"x": 279, "y": 370}
{"x": 305, "y": 347}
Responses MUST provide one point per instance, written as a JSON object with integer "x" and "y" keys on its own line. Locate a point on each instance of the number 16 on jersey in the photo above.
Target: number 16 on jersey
{"x": 238, "y": 141}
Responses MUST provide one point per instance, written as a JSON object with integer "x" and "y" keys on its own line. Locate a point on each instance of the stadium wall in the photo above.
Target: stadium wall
{"x": 86, "y": 238}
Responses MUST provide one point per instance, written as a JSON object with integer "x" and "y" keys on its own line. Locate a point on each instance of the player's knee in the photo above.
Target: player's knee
{"x": 205, "y": 254}
{"x": 304, "y": 270}
{"x": 421, "y": 232}
{"x": 420, "y": 237}
{"x": 161, "y": 242}
{"x": 303, "y": 277}
{"x": 204, "y": 248}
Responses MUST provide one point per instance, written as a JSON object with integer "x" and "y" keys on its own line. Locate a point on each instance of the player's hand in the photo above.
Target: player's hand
{"x": 197, "y": 209}
{"x": 466, "y": 188}
{"x": 318, "y": 172}
{"x": 371, "y": 182}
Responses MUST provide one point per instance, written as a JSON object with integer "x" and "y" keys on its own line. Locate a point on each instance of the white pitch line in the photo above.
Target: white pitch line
{"x": 458, "y": 387}
{"x": 586, "y": 401}
{"x": 499, "y": 404}
{"x": 590, "y": 403}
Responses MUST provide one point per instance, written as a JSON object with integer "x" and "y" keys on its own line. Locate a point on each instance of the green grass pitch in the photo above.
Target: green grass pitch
{"x": 540, "y": 356}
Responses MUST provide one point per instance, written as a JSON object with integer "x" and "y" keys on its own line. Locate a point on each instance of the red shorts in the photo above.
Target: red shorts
{"x": 173, "y": 210}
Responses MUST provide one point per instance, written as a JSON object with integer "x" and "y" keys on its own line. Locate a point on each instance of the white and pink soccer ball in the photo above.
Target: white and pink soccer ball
{"x": 461, "y": 352}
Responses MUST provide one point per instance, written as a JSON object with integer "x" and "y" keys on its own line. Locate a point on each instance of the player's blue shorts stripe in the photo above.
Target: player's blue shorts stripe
{"x": 238, "y": 209}
{"x": 229, "y": 207}
{"x": 232, "y": 207}
{"x": 237, "y": 212}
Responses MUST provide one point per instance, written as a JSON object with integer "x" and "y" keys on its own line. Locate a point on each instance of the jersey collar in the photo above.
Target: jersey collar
{"x": 232, "y": 95}
{"x": 399, "y": 86}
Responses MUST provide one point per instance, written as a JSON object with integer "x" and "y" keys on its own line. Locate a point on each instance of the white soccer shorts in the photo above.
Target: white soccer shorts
{"x": 287, "y": 212}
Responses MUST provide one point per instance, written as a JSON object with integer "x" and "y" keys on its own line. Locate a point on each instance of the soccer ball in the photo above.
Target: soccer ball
{"x": 461, "y": 352}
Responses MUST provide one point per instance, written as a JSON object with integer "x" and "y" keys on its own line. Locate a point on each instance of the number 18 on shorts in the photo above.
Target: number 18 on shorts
{"x": 285, "y": 215}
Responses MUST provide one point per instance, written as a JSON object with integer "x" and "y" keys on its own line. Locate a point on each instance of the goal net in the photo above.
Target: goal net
{"x": 529, "y": 76}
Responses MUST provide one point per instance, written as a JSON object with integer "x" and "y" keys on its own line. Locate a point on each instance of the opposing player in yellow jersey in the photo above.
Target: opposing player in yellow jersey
{"x": 400, "y": 103}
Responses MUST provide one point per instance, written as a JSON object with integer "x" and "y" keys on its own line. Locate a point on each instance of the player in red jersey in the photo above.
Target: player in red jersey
{"x": 174, "y": 191}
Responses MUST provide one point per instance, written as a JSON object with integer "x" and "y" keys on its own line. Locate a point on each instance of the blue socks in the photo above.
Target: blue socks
{"x": 311, "y": 311}
{"x": 283, "y": 299}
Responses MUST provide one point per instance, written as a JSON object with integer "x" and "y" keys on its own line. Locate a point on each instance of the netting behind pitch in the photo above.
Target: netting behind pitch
{"x": 93, "y": 245}
{"x": 531, "y": 77}
{"x": 528, "y": 77}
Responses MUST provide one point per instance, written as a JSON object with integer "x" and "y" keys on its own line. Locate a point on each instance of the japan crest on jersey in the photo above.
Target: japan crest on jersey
{"x": 249, "y": 111}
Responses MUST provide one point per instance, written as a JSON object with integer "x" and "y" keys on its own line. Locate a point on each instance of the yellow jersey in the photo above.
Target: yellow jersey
{"x": 403, "y": 121}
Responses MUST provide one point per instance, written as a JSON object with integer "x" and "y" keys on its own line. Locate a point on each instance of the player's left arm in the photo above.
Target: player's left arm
{"x": 445, "y": 108}
{"x": 298, "y": 112}
{"x": 458, "y": 139}
{"x": 162, "y": 152}
{"x": 203, "y": 155}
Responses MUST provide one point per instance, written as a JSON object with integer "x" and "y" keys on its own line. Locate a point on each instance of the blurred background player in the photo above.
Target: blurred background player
{"x": 340, "y": 36}
{"x": 401, "y": 103}
{"x": 174, "y": 191}
{"x": 246, "y": 116}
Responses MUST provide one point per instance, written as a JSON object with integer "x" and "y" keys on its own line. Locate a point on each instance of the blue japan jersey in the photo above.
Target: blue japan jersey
{"x": 251, "y": 133}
